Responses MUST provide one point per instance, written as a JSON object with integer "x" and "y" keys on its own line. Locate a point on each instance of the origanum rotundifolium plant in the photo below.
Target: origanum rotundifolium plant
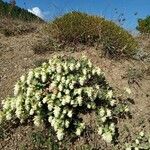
{"x": 57, "y": 92}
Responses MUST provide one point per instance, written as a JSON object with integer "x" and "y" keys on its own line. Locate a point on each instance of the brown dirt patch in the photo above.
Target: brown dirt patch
{"x": 17, "y": 56}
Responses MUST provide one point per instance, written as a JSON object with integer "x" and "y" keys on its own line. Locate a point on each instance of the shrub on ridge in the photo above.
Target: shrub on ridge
{"x": 83, "y": 28}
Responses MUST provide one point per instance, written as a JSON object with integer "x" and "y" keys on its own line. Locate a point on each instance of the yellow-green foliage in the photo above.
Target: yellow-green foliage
{"x": 116, "y": 40}
{"x": 81, "y": 27}
{"x": 76, "y": 27}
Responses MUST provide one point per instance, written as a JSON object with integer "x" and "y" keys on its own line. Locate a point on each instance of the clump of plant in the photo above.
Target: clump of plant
{"x": 142, "y": 142}
{"x": 57, "y": 92}
{"x": 75, "y": 27}
{"x": 144, "y": 25}
{"x": 134, "y": 75}
{"x": 46, "y": 44}
{"x": 80, "y": 27}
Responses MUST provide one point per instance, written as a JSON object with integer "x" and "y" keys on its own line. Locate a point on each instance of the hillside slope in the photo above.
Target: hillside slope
{"x": 15, "y": 12}
{"x": 17, "y": 57}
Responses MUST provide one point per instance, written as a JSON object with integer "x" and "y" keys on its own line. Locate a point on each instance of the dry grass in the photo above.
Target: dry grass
{"x": 10, "y": 27}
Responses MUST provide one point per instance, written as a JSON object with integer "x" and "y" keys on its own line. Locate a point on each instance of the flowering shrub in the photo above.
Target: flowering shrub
{"x": 57, "y": 92}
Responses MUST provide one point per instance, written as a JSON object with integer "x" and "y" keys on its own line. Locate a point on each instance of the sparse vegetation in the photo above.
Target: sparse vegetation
{"x": 46, "y": 44}
{"x": 142, "y": 142}
{"x": 135, "y": 75}
{"x": 10, "y": 27}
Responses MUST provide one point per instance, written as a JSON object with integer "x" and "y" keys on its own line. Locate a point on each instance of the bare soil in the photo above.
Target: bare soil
{"x": 17, "y": 57}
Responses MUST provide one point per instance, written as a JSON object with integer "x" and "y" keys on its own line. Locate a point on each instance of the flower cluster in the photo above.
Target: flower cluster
{"x": 142, "y": 142}
{"x": 106, "y": 126}
{"x": 57, "y": 92}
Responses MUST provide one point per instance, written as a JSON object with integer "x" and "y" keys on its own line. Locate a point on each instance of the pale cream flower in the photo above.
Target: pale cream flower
{"x": 22, "y": 78}
{"x": 109, "y": 94}
{"x": 141, "y": 133}
{"x": 128, "y": 148}
{"x": 29, "y": 91}
{"x": 98, "y": 71}
{"x": 71, "y": 86}
{"x": 101, "y": 112}
{"x": 58, "y": 78}
{"x": 72, "y": 67}
{"x": 69, "y": 114}
{"x": 6, "y": 105}
{"x": 79, "y": 100}
{"x": 78, "y": 65}
{"x": 60, "y": 134}
{"x": 128, "y": 90}
{"x": 67, "y": 92}
{"x": 8, "y": 116}
{"x": 67, "y": 99}
{"x": 103, "y": 119}
{"x": 45, "y": 99}
{"x": 137, "y": 141}
{"x": 63, "y": 80}
{"x": 78, "y": 132}
{"x": 108, "y": 111}
{"x": 50, "y": 107}
{"x": 38, "y": 121}
{"x": 60, "y": 87}
{"x": 107, "y": 137}
{"x": 89, "y": 106}
{"x": 16, "y": 89}
{"x": 50, "y": 118}
{"x": 100, "y": 130}
{"x": 93, "y": 71}
{"x": 113, "y": 102}
{"x": 59, "y": 69}
{"x": 59, "y": 95}
{"x": 56, "y": 111}
{"x": 84, "y": 71}
{"x": 43, "y": 77}
{"x": 31, "y": 112}
{"x": 67, "y": 124}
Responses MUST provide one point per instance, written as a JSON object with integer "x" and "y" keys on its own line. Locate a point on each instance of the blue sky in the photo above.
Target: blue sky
{"x": 52, "y": 8}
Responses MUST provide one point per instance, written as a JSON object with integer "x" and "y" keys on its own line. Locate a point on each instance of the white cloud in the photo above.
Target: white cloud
{"x": 37, "y": 11}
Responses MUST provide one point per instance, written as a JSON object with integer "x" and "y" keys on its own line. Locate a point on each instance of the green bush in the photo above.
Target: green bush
{"x": 117, "y": 41}
{"x": 58, "y": 92}
{"x": 83, "y": 28}
{"x": 144, "y": 25}
{"x": 76, "y": 27}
